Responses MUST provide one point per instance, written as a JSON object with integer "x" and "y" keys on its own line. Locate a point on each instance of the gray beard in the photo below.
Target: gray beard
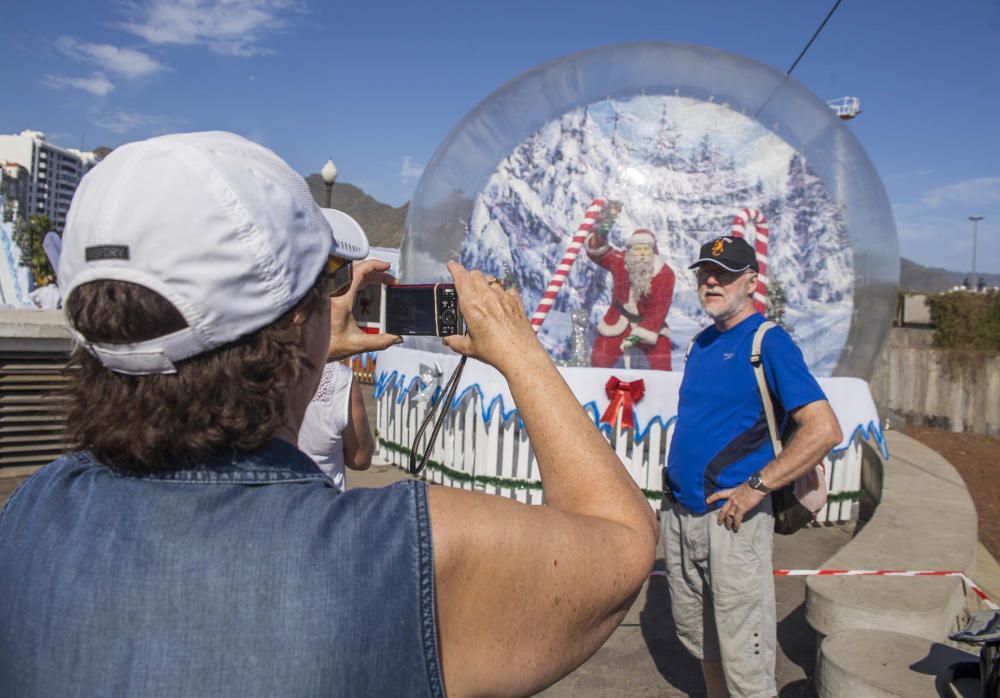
{"x": 730, "y": 310}
{"x": 733, "y": 308}
{"x": 640, "y": 274}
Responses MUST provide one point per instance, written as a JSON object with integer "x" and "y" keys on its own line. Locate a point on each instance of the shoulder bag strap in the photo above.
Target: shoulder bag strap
{"x": 765, "y": 394}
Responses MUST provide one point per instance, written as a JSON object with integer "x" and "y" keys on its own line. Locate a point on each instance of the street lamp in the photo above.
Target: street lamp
{"x": 975, "y": 234}
{"x": 329, "y": 174}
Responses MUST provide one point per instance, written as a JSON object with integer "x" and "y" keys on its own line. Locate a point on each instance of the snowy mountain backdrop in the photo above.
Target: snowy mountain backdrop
{"x": 681, "y": 168}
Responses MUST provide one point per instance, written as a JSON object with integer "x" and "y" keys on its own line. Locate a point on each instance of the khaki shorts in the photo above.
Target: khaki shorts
{"x": 722, "y": 593}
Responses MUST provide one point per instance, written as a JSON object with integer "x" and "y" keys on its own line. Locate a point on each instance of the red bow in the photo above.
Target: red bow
{"x": 622, "y": 395}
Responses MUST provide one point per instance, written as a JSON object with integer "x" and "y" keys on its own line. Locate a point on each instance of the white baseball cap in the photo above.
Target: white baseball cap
{"x": 219, "y": 226}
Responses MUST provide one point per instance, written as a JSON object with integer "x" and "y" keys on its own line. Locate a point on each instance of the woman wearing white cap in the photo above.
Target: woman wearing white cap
{"x": 188, "y": 548}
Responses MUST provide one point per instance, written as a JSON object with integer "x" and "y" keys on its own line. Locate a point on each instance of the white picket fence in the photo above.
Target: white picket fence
{"x": 495, "y": 456}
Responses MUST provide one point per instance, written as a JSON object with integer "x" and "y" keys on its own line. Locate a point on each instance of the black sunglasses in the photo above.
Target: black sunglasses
{"x": 340, "y": 273}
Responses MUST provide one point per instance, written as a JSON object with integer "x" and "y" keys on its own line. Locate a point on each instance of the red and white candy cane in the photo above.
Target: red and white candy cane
{"x": 740, "y": 221}
{"x": 562, "y": 271}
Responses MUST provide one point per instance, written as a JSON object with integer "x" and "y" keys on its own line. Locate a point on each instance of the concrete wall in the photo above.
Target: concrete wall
{"x": 944, "y": 389}
{"x": 26, "y": 331}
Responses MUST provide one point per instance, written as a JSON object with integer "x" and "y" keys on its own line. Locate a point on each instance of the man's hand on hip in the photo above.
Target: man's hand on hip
{"x": 739, "y": 502}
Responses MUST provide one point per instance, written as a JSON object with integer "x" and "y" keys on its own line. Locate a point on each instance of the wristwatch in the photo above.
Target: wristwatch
{"x": 757, "y": 483}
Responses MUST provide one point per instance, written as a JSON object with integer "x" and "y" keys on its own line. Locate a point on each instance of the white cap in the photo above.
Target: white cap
{"x": 641, "y": 237}
{"x": 219, "y": 226}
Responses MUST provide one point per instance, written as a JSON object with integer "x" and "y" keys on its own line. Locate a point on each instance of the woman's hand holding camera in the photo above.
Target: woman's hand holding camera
{"x": 346, "y": 338}
{"x": 499, "y": 331}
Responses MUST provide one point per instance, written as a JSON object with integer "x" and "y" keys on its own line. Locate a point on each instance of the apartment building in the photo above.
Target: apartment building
{"x": 53, "y": 173}
{"x": 15, "y": 183}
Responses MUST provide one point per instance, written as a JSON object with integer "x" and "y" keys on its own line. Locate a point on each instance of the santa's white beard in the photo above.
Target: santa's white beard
{"x": 640, "y": 273}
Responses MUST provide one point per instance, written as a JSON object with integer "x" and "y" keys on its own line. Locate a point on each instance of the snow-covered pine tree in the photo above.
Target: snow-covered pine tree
{"x": 777, "y": 301}
{"x": 665, "y": 150}
{"x": 817, "y": 229}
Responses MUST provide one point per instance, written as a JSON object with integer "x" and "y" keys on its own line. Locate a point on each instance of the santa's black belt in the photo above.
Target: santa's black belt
{"x": 630, "y": 316}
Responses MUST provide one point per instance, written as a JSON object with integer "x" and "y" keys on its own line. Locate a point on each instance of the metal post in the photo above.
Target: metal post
{"x": 975, "y": 234}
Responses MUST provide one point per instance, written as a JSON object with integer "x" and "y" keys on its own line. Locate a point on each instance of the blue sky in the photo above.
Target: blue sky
{"x": 378, "y": 85}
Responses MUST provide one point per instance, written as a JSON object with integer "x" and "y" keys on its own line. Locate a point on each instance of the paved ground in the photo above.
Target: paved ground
{"x": 7, "y": 486}
{"x": 10, "y": 478}
{"x": 976, "y": 458}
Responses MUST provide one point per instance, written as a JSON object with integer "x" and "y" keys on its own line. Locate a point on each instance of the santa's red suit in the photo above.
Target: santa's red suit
{"x": 650, "y": 310}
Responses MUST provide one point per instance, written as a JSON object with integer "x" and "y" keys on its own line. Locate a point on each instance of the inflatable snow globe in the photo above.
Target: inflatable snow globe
{"x": 591, "y": 182}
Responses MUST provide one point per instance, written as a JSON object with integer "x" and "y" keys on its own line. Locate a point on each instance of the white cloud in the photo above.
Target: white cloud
{"x": 902, "y": 176}
{"x": 95, "y": 84}
{"x": 411, "y": 169}
{"x": 233, "y": 27}
{"x": 127, "y": 62}
{"x": 981, "y": 191}
{"x": 121, "y": 121}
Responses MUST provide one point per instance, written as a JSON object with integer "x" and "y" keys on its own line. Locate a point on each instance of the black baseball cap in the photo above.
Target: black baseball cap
{"x": 730, "y": 253}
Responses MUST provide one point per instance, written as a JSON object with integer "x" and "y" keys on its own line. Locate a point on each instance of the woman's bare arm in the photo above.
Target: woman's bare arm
{"x": 359, "y": 444}
{"x": 527, "y": 593}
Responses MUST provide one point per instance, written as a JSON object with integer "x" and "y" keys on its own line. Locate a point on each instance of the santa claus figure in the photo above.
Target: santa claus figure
{"x": 643, "y": 290}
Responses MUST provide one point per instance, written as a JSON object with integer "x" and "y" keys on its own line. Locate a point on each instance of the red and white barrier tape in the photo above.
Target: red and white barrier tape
{"x": 562, "y": 271}
{"x": 876, "y": 573}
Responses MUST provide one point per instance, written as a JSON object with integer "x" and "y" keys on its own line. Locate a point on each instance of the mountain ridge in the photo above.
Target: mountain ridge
{"x": 917, "y": 278}
{"x": 382, "y": 223}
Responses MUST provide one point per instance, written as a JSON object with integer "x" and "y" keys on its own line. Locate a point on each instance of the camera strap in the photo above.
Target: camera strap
{"x": 444, "y": 400}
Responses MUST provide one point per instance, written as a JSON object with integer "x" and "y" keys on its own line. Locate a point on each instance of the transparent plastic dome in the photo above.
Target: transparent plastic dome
{"x": 685, "y": 139}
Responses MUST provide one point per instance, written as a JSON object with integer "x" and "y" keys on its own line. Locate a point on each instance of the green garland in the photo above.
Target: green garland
{"x": 458, "y": 475}
{"x": 852, "y": 496}
{"x": 517, "y": 484}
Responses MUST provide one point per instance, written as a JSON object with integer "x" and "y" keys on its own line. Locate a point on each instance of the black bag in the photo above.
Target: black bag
{"x": 983, "y": 629}
{"x": 789, "y": 513}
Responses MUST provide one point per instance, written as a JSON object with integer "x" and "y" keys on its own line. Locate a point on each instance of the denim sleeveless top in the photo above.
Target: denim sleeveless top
{"x": 246, "y": 576}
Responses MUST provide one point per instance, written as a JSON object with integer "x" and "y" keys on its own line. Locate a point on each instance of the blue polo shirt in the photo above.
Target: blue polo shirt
{"x": 721, "y": 435}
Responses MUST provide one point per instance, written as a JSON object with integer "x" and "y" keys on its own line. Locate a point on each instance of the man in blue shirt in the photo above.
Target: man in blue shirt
{"x": 717, "y": 525}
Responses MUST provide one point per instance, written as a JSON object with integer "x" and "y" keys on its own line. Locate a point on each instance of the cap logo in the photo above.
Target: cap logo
{"x": 717, "y": 247}
{"x": 98, "y": 252}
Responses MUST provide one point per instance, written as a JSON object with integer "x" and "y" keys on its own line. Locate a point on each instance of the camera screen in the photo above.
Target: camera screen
{"x": 410, "y": 310}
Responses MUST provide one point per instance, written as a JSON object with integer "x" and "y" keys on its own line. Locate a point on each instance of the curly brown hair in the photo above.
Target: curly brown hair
{"x": 232, "y": 398}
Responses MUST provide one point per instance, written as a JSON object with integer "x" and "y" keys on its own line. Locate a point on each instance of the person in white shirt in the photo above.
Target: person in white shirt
{"x": 46, "y": 297}
{"x": 335, "y": 432}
